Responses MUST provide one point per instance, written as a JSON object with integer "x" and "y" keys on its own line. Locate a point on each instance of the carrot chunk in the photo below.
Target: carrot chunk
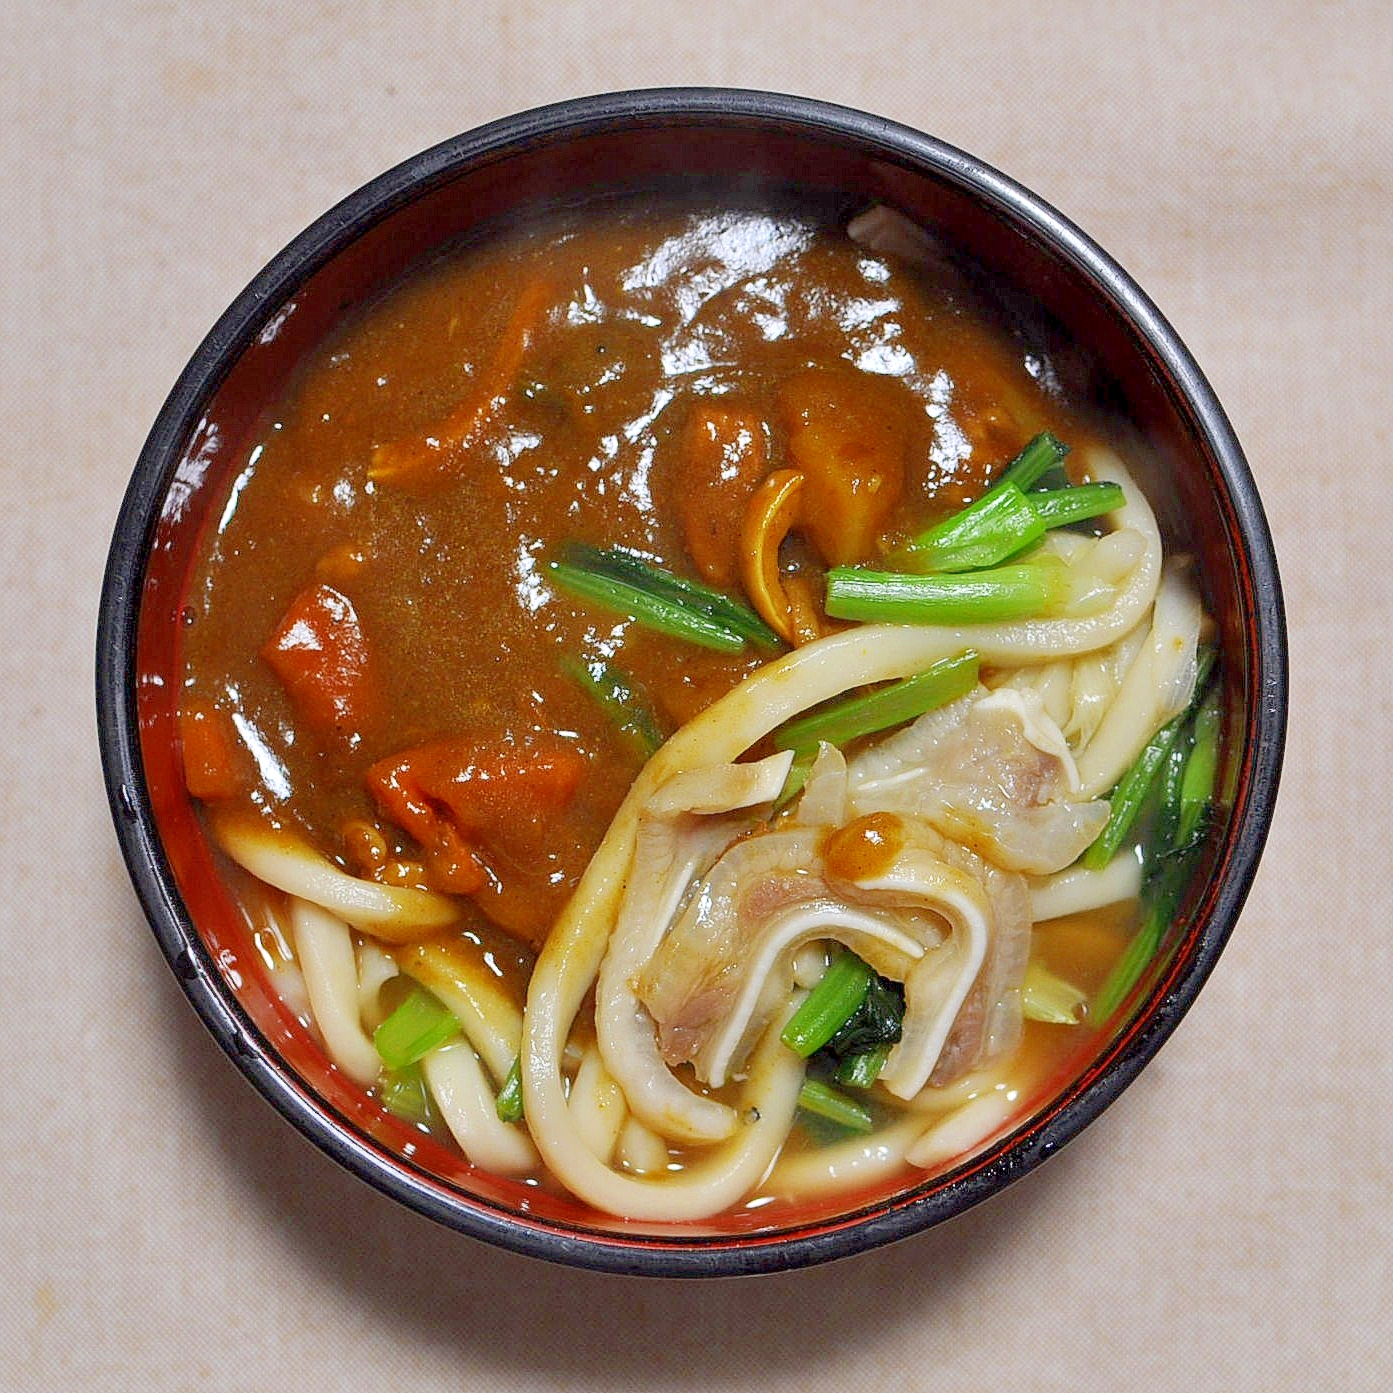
{"x": 482, "y": 813}
{"x": 421, "y": 460}
{"x": 212, "y": 768}
{"x": 319, "y": 652}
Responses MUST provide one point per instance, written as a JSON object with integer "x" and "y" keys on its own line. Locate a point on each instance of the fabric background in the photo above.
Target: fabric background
{"x": 1225, "y": 1226}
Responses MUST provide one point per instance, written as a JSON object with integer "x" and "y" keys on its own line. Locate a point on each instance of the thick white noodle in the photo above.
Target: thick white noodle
{"x": 1158, "y": 685}
{"x": 1093, "y": 683}
{"x": 393, "y": 913}
{"x": 640, "y": 1150}
{"x": 965, "y": 1131}
{"x": 468, "y": 1104}
{"x": 324, "y": 946}
{"x": 1076, "y": 889}
{"x": 478, "y": 1000}
{"x": 856, "y": 1161}
{"x": 571, "y": 959}
{"x": 623, "y": 1025}
{"x": 597, "y": 1106}
{"x": 375, "y": 969}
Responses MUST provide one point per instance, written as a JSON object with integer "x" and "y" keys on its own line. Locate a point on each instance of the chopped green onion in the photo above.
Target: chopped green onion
{"x": 892, "y": 705}
{"x": 1039, "y": 456}
{"x": 824, "y": 1101}
{"x": 620, "y": 698}
{"x": 1025, "y": 590}
{"x": 1050, "y": 999}
{"x": 999, "y": 524}
{"x": 1079, "y": 503}
{"x": 863, "y": 1069}
{"x": 508, "y": 1105}
{"x": 665, "y": 593}
{"x": 1129, "y": 796}
{"x": 404, "y": 1093}
{"x": 829, "y": 1005}
{"x": 415, "y": 1028}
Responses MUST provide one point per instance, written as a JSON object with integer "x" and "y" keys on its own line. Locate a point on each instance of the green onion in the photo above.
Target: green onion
{"x": 1079, "y": 503}
{"x": 1034, "y": 461}
{"x": 403, "y": 1092}
{"x": 824, "y": 1101}
{"x": 415, "y": 1028}
{"x": 828, "y": 1006}
{"x": 999, "y": 524}
{"x": 509, "y": 1102}
{"x": 862, "y": 1070}
{"x": 620, "y": 698}
{"x": 659, "y": 599}
{"x": 1050, "y": 999}
{"x": 1021, "y": 591}
{"x": 1129, "y": 796}
{"x": 892, "y": 705}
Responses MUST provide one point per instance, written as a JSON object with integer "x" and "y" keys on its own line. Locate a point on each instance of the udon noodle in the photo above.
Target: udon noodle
{"x": 564, "y": 886}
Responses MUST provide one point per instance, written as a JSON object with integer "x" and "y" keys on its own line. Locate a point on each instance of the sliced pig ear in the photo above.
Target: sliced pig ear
{"x": 682, "y": 828}
{"x": 938, "y": 984}
{"x": 721, "y": 788}
{"x": 991, "y": 771}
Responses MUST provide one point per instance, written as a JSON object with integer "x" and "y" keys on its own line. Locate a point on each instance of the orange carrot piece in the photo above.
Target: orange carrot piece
{"x": 482, "y": 814}
{"x": 420, "y": 460}
{"x": 212, "y": 769}
{"x": 320, "y": 654}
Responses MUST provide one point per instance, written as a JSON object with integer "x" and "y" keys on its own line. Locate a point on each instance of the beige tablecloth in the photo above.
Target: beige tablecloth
{"x": 1226, "y": 1226}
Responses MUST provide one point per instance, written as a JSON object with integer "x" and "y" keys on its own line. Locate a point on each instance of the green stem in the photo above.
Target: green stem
{"x": 1025, "y": 590}
{"x": 416, "y": 1027}
{"x": 1039, "y": 456}
{"x": 1080, "y": 503}
{"x": 509, "y": 1102}
{"x": 829, "y": 1005}
{"x": 619, "y": 697}
{"x": 892, "y": 705}
{"x": 824, "y": 1101}
{"x": 999, "y": 524}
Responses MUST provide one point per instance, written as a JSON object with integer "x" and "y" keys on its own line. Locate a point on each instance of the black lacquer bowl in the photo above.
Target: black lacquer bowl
{"x": 1034, "y": 261}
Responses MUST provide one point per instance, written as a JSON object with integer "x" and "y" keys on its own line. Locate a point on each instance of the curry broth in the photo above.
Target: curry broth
{"x": 650, "y": 317}
{"x": 648, "y": 327}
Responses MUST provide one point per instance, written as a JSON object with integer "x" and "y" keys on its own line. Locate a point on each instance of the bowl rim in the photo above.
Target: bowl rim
{"x": 151, "y": 874}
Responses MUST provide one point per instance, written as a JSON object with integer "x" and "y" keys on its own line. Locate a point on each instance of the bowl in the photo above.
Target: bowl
{"x": 1035, "y": 262}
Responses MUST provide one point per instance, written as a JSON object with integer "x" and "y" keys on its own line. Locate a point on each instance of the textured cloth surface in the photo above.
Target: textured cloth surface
{"x": 1225, "y": 1226}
